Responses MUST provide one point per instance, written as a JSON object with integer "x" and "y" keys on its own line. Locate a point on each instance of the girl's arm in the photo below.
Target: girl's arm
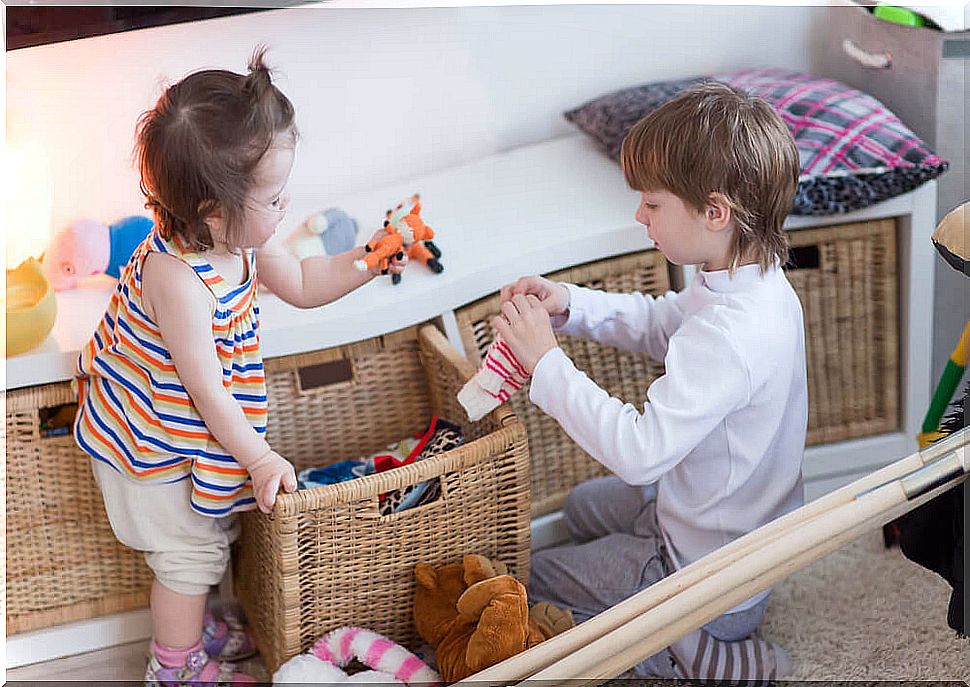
{"x": 182, "y": 308}
{"x": 313, "y": 281}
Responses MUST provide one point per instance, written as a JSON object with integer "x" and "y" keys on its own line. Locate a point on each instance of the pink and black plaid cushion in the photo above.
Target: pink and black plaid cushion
{"x": 853, "y": 151}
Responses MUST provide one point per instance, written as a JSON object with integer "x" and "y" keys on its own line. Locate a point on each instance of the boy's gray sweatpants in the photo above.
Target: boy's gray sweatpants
{"x": 618, "y": 551}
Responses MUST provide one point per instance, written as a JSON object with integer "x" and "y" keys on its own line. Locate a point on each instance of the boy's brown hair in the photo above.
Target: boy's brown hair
{"x": 716, "y": 139}
{"x": 197, "y": 149}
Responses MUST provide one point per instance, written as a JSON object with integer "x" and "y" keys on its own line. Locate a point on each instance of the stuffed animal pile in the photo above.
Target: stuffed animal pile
{"x": 475, "y": 615}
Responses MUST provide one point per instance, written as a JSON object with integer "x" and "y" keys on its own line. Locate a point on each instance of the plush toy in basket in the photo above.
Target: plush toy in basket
{"x": 406, "y": 233}
{"x": 475, "y": 615}
{"x": 86, "y": 247}
{"x": 389, "y": 663}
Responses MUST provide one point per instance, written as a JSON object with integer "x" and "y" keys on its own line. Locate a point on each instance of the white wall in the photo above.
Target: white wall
{"x": 381, "y": 94}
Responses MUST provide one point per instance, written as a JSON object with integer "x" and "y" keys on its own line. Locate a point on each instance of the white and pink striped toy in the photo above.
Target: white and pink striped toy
{"x": 391, "y": 663}
{"x": 499, "y": 376}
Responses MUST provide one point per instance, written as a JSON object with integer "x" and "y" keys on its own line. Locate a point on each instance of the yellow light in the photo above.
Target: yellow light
{"x": 28, "y": 205}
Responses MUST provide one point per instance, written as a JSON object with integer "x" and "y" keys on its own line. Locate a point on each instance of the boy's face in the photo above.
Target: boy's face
{"x": 675, "y": 229}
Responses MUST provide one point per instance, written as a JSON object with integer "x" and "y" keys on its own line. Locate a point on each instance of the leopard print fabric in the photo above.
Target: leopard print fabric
{"x": 445, "y": 438}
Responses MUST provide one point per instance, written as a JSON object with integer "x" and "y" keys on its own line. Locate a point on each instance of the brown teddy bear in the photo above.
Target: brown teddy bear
{"x": 476, "y": 615}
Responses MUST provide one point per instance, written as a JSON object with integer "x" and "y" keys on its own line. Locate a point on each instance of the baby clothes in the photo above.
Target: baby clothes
{"x": 188, "y": 552}
{"x": 499, "y": 376}
{"x": 134, "y": 413}
{"x": 440, "y": 436}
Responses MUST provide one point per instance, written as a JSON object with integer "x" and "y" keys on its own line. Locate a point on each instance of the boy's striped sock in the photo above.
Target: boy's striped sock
{"x": 499, "y": 376}
{"x": 750, "y": 661}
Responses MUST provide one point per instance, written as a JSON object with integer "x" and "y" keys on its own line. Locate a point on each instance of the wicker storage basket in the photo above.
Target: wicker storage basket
{"x": 558, "y": 463}
{"x": 845, "y": 276}
{"x": 326, "y": 557}
{"x": 63, "y": 561}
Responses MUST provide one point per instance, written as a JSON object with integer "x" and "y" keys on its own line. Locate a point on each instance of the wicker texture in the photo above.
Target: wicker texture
{"x": 63, "y": 561}
{"x": 558, "y": 464}
{"x": 852, "y": 347}
{"x": 325, "y": 557}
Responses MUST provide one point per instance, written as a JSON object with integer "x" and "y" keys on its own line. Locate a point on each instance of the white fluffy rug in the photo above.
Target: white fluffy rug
{"x": 866, "y": 613}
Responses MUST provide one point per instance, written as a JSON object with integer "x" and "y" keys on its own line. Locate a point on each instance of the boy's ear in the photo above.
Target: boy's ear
{"x": 718, "y": 213}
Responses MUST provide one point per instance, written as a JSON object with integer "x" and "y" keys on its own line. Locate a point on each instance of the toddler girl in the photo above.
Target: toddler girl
{"x": 172, "y": 399}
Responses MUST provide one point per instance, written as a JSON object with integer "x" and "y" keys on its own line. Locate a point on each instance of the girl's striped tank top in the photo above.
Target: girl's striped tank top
{"x": 133, "y": 412}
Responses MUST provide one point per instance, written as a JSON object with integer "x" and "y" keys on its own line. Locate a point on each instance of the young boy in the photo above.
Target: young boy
{"x": 716, "y": 451}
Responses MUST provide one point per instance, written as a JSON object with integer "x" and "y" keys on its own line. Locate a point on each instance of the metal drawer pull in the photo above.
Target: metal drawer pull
{"x": 867, "y": 59}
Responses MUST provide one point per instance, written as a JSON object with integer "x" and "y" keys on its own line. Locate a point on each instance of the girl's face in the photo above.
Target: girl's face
{"x": 267, "y": 197}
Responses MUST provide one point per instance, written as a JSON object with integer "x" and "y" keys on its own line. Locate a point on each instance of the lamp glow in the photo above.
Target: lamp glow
{"x": 28, "y": 205}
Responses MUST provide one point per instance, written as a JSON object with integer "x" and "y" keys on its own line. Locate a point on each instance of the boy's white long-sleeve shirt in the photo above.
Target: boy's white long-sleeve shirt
{"x": 723, "y": 431}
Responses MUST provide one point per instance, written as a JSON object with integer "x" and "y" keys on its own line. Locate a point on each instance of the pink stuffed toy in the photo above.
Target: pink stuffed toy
{"x": 87, "y": 247}
{"x": 391, "y": 663}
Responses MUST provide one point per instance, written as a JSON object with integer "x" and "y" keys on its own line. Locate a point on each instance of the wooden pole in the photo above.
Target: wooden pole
{"x": 531, "y": 661}
{"x": 620, "y": 649}
{"x": 636, "y": 651}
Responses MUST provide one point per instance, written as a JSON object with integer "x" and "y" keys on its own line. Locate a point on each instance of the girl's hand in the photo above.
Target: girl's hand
{"x": 269, "y": 472}
{"x": 524, "y": 324}
{"x": 394, "y": 266}
{"x": 552, "y": 296}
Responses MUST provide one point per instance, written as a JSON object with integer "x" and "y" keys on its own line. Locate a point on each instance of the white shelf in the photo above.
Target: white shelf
{"x": 530, "y": 210}
{"x": 533, "y": 209}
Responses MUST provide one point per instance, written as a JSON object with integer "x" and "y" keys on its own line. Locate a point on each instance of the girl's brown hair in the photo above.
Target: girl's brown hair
{"x": 197, "y": 149}
{"x": 716, "y": 139}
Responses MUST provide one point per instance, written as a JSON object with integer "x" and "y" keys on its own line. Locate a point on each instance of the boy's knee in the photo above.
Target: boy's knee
{"x": 577, "y": 503}
{"x": 583, "y": 499}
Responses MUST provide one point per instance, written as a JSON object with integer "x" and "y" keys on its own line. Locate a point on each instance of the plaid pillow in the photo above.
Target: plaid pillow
{"x": 608, "y": 118}
{"x": 853, "y": 151}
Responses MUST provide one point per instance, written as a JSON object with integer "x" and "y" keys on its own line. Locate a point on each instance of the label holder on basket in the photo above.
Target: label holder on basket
{"x": 325, "y": 375}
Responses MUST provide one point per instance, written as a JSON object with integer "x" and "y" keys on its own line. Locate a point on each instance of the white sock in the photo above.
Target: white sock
{"x": 699, "y": 656}
{"x": 499, "y": 376}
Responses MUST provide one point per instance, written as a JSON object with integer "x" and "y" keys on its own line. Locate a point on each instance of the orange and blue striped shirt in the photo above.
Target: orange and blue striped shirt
{"x": 133, "y": 411}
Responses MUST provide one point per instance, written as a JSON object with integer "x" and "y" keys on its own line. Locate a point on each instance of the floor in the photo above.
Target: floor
{"x": 862, "y": 613}
{"x": 119, "y": 663}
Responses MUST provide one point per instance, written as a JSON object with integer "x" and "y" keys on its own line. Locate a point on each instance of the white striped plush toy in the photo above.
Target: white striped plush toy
{"x": 391, "y": 663}
{"x": 499, "y": 376}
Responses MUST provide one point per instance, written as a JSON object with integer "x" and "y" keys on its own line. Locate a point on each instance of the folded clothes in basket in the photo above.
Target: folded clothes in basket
{"x": 440, "y": 436}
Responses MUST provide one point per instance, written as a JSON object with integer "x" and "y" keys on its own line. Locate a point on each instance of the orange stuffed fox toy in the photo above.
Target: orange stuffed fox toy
{"x": 475, "y": 615}
{"x": 406, "y": 233}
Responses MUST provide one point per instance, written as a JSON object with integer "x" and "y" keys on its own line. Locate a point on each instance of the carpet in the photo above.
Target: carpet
{"x": 866, "y": 613}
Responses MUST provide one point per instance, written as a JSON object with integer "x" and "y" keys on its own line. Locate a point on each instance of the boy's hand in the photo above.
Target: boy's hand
{"x": 394, "y": 266}
{"x": 269, "y": 473}
{"x": 524, "y": 324}
{"x": 553, "y": 297}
